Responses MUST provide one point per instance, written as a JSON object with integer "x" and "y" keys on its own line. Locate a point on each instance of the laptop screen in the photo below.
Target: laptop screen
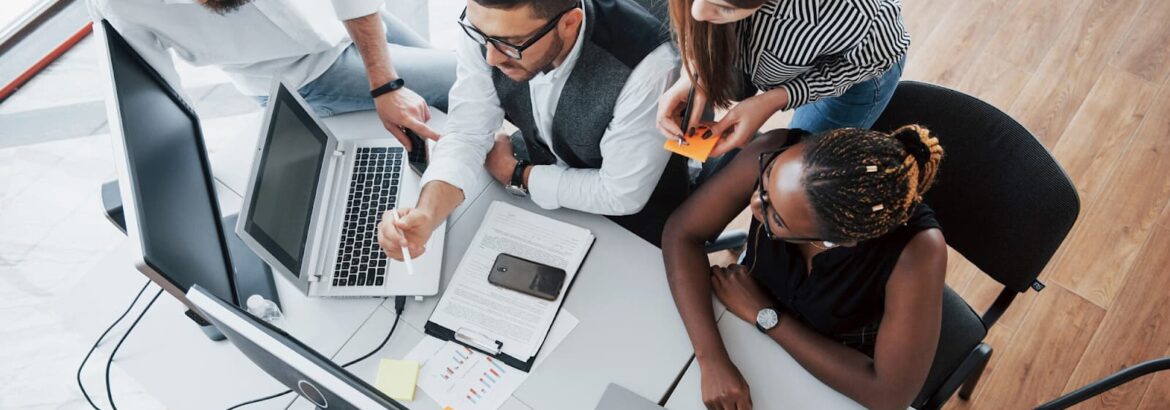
{"x": 286, "y": 183}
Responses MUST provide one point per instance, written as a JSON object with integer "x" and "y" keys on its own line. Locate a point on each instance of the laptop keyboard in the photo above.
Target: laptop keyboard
{"x": 373, "y": 190}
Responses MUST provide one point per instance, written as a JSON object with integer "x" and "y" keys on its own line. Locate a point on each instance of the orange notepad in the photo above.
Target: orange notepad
{"x": 697, "y": 148}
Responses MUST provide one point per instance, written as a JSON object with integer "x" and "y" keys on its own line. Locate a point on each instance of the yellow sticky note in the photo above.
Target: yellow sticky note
{"x": 397, "y": 378}
{"x": 696, "y": 148}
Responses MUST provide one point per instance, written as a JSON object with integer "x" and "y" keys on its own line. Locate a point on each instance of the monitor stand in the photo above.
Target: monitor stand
{"x": 251, "y": 274}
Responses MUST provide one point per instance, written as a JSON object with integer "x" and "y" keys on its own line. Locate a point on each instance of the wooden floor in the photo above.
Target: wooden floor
{"x": 1089, "y": 78}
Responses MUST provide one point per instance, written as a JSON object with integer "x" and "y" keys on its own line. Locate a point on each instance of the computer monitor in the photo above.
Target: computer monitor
{"x": 168, "y": 195}
{"x": 316, "y": 378}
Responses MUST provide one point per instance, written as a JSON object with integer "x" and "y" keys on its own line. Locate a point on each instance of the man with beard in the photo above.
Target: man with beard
{"x": 579, "y": 81}
{"x": 337, "y": 66}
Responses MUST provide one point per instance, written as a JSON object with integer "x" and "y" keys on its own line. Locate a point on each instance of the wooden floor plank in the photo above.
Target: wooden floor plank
{"x": 1064, "y": 78}
{"x": 1030, "y": 29}
{"x": 994, "y": 80}
{"x": 1146, "y": 50}
{"x": 921, "y": 17}
{"x": 1033, "y": 370}
{"x": 1101, "y": 129}
{"x": 1135, "y": 329}
{"x": 1115, "y": 224}
{"x": 951, "y": 50}
{"x": 1158, "y": 393}
{"x": 998, "y": 338}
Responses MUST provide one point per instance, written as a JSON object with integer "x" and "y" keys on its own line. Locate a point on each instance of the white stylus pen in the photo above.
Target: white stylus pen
{"x": 405, "y": 251}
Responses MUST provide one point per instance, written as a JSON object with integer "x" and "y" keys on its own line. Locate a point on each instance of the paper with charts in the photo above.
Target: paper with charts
{"x": 458, "y": 378}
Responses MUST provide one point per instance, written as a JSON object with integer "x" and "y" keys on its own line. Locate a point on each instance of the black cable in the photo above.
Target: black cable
{"x": 109, "y": 392}
{"x": 399, "y": 306}
{"x": 99, "y": 341}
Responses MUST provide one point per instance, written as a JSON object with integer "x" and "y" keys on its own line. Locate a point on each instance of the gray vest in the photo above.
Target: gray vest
{"x": 618, "y": 35}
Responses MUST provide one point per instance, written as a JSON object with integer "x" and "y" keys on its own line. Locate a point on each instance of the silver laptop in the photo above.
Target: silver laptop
{"x": 314, "y": 203}
{"x": 618, "y": 397}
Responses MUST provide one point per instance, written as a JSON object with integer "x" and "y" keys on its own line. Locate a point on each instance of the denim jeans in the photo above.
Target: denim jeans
{"x": 859, "y": 107}
{"x": 344, "y": 87}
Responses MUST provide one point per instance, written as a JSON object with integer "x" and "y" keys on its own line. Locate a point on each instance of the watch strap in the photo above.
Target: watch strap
{"x": 391, "y": 86}
{"x": 518, "y": 174}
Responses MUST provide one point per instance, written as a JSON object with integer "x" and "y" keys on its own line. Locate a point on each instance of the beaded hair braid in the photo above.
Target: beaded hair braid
{"x": 863, "y": 183}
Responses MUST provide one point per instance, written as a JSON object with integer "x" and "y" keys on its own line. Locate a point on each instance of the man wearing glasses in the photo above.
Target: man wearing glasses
{"x": 580, "y": 80}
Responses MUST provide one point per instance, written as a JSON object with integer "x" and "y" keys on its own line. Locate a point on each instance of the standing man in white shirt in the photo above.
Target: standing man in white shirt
{"x": 337, "y": 66}
{"x": 579, "y": 81}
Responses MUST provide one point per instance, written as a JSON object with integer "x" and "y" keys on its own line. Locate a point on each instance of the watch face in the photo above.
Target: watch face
{"x": 767, "y": 318}
{"x": 515, "y": 190}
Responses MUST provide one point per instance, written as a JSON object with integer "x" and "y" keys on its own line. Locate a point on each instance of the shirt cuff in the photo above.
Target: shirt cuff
{"x": 543, "y": 183}
{"x": 351, "y": 9}
{"x": 459, "y": 177}
{"x": 798, "y": 93}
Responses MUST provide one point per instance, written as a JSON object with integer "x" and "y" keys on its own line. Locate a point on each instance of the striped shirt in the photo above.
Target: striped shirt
{"x": 819, "y": 48}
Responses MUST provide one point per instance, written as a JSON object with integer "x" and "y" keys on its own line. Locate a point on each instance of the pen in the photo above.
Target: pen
{"x": 405, "y": 251}
{"x": 686, "y": 119}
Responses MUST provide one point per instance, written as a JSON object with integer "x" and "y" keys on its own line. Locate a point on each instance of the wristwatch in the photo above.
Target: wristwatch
{"x": 517, "y": 186}
{"x": 391, "y": 86}
{"x": 767, "y": 319}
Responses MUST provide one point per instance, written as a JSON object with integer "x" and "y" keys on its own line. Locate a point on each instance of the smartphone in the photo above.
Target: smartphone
{"x": 417, "y": 156}
{"x": 527, "y": 277}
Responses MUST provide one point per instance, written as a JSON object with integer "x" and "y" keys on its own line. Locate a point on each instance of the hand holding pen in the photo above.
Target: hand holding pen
{"x": 681, "y": 100}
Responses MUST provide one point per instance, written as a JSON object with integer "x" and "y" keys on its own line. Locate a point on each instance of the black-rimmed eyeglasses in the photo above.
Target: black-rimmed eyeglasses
{"x": 513, "y": 51}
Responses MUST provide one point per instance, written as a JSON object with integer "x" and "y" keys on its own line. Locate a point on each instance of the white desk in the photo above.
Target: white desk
{"x": 629, "y": 332}
{"x": 775, "y": 379}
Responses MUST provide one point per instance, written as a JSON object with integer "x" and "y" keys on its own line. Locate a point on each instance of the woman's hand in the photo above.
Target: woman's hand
{"x": 672, "y": 103}
{"x": 739, "y": 291}
{"x": 723, "y": 386}
{"x": 745, "y": 118}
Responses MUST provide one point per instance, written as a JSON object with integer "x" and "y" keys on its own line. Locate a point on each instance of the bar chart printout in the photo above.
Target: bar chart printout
{"x": 459, "y": 378}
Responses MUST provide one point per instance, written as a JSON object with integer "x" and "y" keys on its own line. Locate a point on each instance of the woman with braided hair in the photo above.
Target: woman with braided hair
{"x": 844, "y": 265}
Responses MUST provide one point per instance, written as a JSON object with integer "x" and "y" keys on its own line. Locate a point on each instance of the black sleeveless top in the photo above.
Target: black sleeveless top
{"x": 844, "y": 297}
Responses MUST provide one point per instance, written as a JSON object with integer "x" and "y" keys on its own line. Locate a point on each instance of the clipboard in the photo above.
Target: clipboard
{"x": 491, "y": 346}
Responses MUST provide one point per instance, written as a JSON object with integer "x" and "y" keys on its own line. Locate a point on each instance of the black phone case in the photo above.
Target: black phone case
{"x": 493, "y": 277}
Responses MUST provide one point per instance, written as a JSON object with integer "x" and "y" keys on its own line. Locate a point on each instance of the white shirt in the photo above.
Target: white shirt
{"x": 631, "y": 147}
{"x": 295, "y": 39}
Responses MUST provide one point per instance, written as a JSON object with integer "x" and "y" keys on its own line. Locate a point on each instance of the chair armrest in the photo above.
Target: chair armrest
{"x": 1108, "y": 383}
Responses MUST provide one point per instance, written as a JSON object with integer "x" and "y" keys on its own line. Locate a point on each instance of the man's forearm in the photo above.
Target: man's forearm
{"x": 439, "y": 199}
{"x": 369, "y": 36}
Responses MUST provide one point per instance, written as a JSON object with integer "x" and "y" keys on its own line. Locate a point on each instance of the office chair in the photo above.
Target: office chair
{"x": 1003, "y": 203}
{"x": 1108, "y": 383}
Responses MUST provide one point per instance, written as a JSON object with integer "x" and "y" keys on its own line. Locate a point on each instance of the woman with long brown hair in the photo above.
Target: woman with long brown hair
{"x": 836, "y": 62}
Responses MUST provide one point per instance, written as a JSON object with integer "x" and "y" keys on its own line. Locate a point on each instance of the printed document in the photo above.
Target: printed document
{"x": 519, "y": 321}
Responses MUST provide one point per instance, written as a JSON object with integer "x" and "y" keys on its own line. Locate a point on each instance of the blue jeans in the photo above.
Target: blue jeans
{"x": 344, "y": 87}
{"x": 859, "y": 107}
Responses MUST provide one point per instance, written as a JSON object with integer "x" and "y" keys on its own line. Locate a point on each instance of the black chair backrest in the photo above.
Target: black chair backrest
{"x": 1002, "y": 200}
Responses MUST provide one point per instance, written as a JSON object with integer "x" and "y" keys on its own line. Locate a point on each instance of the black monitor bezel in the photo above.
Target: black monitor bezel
{"x": 114, "y": 39}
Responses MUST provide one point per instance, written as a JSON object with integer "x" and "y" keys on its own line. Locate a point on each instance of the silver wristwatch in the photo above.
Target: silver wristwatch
{"x": 767, "y": 319}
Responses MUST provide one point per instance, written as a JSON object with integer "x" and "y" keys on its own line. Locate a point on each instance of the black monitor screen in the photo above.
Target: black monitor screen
{"x": 281, "y": 206}
{"x": 173, "y": 192}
